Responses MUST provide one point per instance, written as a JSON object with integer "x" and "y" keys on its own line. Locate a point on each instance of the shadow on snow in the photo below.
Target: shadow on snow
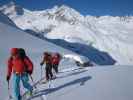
{"x": 80, "y": 81}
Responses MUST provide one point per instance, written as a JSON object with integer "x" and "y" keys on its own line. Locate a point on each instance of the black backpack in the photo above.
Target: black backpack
{"x": 22, "y": 53}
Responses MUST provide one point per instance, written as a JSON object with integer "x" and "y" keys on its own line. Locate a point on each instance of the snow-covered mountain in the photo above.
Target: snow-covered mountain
{"x": 12, "y": 10}
{"x": 109, "y": 34}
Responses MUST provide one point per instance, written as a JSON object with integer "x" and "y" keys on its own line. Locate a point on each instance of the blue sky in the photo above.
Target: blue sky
{"x": 85, "y": 7}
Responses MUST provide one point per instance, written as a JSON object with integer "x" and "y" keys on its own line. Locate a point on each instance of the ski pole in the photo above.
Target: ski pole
{"x": 32, "y": 81}
{"x": 41, "y": 72}
{"x": 31, "y": 78}
{"x": 10, "y": 96}
{"x": 35, "y": 86}
{"x": 8, "y": 85}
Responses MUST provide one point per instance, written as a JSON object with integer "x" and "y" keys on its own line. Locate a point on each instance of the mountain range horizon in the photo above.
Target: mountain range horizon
{"x": 86, "y": 7}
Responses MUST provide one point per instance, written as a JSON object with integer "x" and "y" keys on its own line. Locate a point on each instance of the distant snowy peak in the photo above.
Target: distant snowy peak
{"x": 56, "y": 13}
{"x": 62, "y": 13}
{"x": 41, "y": 21}
{"x": 65, "y": 12}
{"x": 12, "y": 10}
{"x": 59, "y": 13}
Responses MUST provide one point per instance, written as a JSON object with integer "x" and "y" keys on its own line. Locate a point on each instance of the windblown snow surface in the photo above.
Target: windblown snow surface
{"x": 95, "y": 83}
{"x": 82, "y": 34}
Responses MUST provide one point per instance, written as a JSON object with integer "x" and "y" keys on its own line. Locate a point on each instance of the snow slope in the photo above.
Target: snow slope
{"x": 109, "y": 34}
{"x": 95, "y": 83}
{"x": 11, "y": 36}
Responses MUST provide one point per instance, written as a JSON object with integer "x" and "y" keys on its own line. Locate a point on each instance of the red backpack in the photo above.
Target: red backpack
{"x": 56, "y": 58}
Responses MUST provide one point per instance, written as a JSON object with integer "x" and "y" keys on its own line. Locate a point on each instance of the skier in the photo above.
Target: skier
{"x": 56, "y": 57}
{"x": 48, "y": 68}
{"x": 20, "y": 67}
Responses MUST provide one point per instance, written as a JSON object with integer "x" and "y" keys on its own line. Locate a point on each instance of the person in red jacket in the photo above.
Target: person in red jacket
{"x": 56, "y": 57}
{"x": 48, "y": 68}
{"x": 20, "y": 69}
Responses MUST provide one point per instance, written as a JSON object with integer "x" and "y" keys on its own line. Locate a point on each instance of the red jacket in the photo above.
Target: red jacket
{"x": 56, "y": 58}
{"x": 19, "y": 66}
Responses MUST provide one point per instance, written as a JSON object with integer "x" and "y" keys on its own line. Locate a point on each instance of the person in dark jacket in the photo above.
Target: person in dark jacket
{"x": 48, "y": 69}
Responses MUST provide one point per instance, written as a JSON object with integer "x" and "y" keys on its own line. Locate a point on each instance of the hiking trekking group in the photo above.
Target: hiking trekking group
{"x": 20, "y": 65}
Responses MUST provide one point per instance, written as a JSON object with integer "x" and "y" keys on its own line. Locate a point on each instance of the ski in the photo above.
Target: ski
{"x": 43, "y": 82}
{"x": 47, "y": 81}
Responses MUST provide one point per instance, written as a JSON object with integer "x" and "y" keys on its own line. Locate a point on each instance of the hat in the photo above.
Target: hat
{"x": 14, "y": 51}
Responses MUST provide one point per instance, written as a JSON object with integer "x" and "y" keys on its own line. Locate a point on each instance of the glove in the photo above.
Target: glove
{"x": 7, "y": 78}
{"x": 41, "y": 63}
